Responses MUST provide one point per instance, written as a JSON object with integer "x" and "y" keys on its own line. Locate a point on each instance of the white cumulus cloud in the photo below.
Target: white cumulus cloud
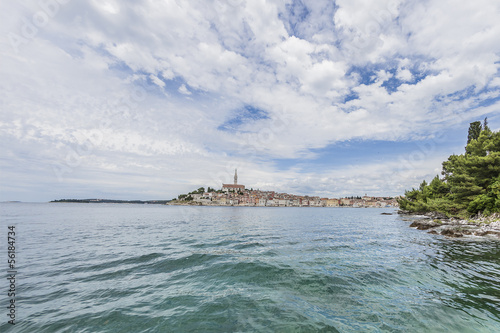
{"x": 107, "y": 94}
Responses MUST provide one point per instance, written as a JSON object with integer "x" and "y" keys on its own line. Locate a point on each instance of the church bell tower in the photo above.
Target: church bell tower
{"x": 235, "y": 176}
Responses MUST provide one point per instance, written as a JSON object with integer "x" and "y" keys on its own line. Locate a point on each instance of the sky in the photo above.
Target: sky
{"x": 150, "y": 99}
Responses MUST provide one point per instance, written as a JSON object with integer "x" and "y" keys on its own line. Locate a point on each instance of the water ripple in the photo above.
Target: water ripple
{"x": 126, "y": 268}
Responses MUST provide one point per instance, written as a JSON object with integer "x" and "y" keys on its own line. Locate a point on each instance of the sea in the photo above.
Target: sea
{"x": 155, "y": 268}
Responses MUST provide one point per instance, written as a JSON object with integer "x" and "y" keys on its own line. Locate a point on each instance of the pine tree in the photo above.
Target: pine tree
{"x": 485, "y": 124}
{"x": 474, "y": 131}
{"x": 471, "y": 182}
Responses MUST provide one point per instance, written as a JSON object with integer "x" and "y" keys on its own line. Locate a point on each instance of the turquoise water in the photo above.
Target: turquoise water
{"x": 149, "y": 268}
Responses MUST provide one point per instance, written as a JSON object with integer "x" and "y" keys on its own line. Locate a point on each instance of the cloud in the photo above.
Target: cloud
{"x": 107, "y": 90}
{"x": 404, "y": 75}
{"x": 157, "y": 81}
{"x": 184, "y": 90}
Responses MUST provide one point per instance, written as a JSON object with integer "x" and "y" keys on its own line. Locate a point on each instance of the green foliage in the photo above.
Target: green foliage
{"x": 201, "y": 190}
{"x": 488, "y": 202}
{"x": 471, "y": 182}
{"x": 482, "y": 145}
{"x": 474, "y": 131}
{"x": 485, "y": 124}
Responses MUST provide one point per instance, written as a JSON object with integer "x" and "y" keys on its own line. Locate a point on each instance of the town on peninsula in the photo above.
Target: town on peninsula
{"x": 238, "y": 195}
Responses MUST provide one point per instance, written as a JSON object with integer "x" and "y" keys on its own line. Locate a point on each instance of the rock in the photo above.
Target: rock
{"x": 407, "y": 212}
{"x": 493, "y": 233}
{"x": 451, "y": 232}
{"x": 436, "y": 215}
{"x": 424, "y": 224}
{"x": 385, "y": 213}
{"x": 469, "y": 231}
{"x": 489, "y": 233}
{"x": 439, "y": 224}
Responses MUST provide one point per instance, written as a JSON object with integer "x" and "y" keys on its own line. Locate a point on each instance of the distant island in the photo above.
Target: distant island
{"x": 237, "y": 195}
{"x": 151, "y": 202}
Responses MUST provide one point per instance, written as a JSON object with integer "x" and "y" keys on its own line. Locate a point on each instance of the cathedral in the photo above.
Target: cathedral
{"x": 233, "y": 187}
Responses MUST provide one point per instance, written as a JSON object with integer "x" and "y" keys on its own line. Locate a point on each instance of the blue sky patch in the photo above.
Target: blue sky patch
{"x": 489, "y": 101}
{"x": 351, "y": 96}
{"x": 391, "y": 85}
{"x": 296, "y": 13}
{"x": 456, "y": 96}
{"x": 365, "y": 152}
{"x": 244, "y": 115}
{"x": 368, "y": 74}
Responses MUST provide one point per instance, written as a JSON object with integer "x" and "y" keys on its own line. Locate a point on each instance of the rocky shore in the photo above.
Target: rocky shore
{"x": 437, "y": 223}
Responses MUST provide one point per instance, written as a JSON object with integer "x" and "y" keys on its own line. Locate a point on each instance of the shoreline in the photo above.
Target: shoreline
{"x": 438, "y": 224}
{"x": 191, "y": 203}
